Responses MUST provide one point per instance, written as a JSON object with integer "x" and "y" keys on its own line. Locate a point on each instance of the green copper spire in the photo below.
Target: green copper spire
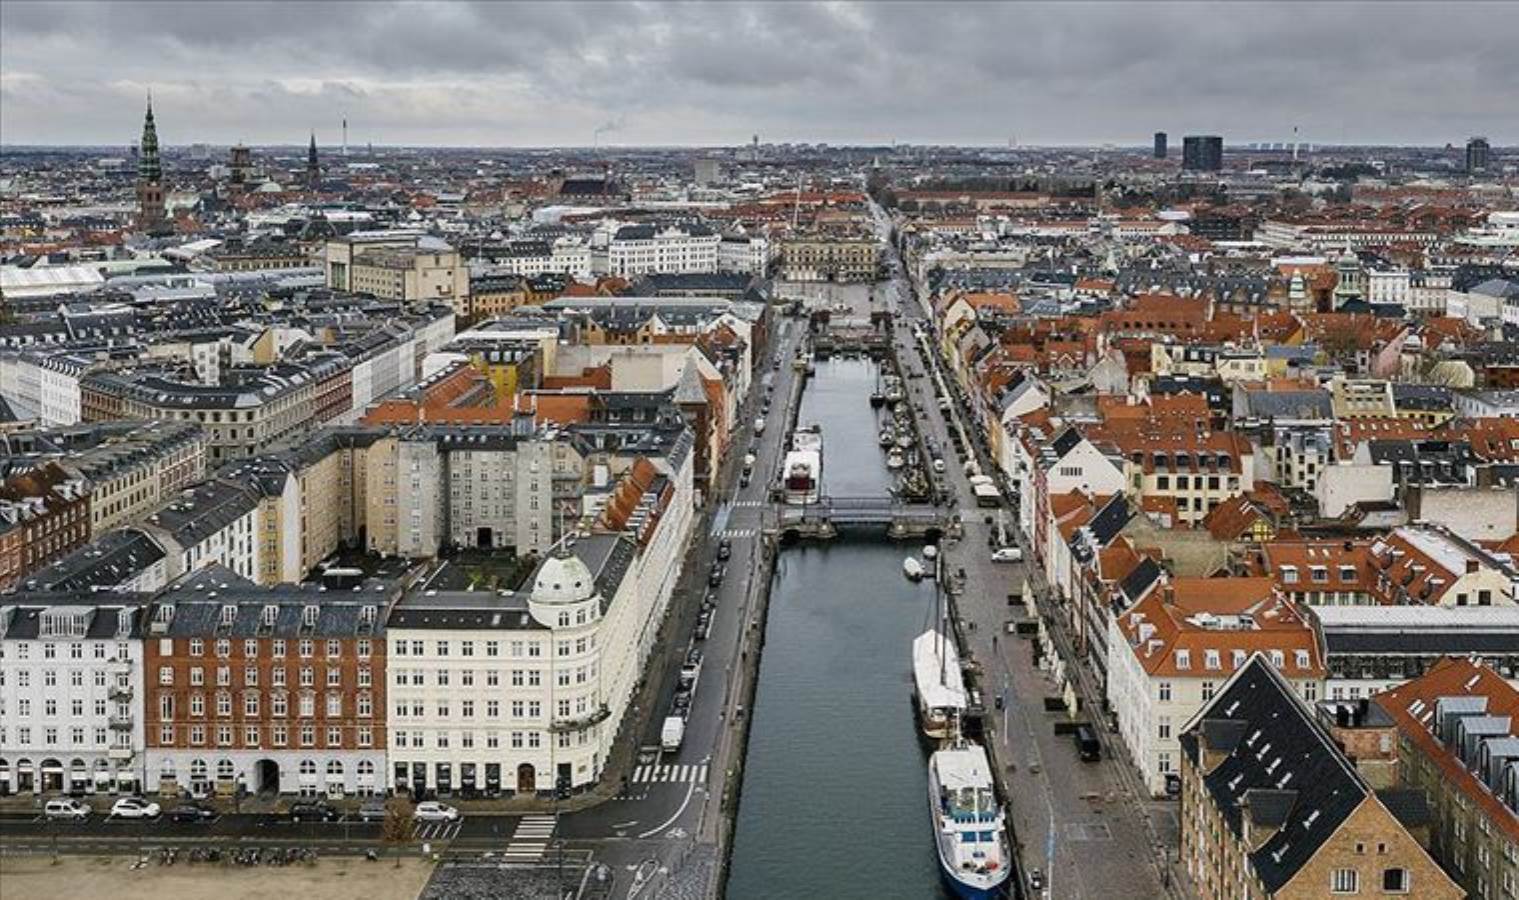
{"x": 148, "y": 167}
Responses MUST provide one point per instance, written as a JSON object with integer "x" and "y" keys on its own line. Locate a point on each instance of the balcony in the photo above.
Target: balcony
{"x": 120, "y": 723}
{"x": 120, "y": 754}
{"x": 119, "y": 693}
{"x": 580, "y": 723}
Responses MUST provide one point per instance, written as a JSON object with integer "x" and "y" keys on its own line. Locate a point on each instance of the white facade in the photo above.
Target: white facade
{"x": 639, "y": 251}
{"x": 1389, "y": 286}
{"x": 70, "y": 676}
{"x": 746, "y": 255}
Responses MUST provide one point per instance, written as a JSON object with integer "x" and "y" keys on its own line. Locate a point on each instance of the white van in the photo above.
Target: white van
{"x": 65, "y": 808}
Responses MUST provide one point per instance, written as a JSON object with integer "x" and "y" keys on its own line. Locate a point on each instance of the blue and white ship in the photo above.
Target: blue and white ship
{"x": 970, "y": 831}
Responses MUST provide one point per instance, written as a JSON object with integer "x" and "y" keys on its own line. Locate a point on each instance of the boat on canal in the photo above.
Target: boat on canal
{"x": 802, "y": 470}
{"x": 938, "y": 687}
{"x": 887, "y": 436}
{"x": 912, "y": 569}
{"x": 894, "y": 390}
{"x": 895, "y": 460}
{"x": 970, "y": 830}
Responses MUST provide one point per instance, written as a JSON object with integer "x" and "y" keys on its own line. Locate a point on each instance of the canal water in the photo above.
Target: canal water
{"x": 834, "y": 800}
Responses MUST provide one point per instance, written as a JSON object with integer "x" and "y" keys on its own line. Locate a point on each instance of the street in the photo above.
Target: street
{"x": 1081, "y": 823}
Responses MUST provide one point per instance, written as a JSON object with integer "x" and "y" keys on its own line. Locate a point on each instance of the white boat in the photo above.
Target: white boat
{"x": 970, "y": 828}
{"x": 912, "y": 569}
{"x": 887, "y": 436}
{"x": 895, "y": 459}
{"x": 930, "y": 551}
{"x": 938, "y": 688}
{"x": 904, "y": 438}
{"x": 802, "y": 470}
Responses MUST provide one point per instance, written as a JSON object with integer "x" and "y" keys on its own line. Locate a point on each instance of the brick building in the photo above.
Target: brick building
{"x": 265, "y": 689}
{"x": 1272, "y": 808}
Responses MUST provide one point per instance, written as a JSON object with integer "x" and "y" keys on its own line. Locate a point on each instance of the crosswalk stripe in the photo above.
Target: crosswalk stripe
{"x": 701, "y": 772}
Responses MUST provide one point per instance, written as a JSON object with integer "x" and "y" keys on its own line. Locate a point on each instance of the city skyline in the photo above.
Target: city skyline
{"x": 496, "y": 75}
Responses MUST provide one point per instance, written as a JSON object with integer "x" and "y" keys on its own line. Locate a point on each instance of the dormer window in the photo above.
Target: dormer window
{"x": 229, "y": 616}
{"x": 1211, "y": 659}
{"x": 308, "y": 616}
{"x": 268, "y": 615}
{"x": 1183, "y": 659}
{"x": 1278, "y": 659}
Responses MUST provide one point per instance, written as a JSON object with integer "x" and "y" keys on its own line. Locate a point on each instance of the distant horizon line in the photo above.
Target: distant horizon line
{"x": 1286, "y": 146}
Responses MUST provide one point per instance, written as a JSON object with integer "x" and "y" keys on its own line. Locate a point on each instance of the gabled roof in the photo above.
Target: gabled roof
{"x": 1274, "y": 753}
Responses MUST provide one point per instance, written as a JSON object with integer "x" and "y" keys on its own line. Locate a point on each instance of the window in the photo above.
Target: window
{"x": 334, "y": 649}
{"x": 1183, "y": 659}
{"x": 1345, "y": 881}
{"x": 277, "y": 650}
{"x": 443, "y": 648}
{"x": 1395, "y": 881}
{"x": 1208, "y": 689}
{"x": 1211, "y": 660}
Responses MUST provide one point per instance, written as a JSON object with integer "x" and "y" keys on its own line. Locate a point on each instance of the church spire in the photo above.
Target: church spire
{"x": 148, "y": 166}
{"x": 150, "y": 194}
{"x": 313, "y": 166}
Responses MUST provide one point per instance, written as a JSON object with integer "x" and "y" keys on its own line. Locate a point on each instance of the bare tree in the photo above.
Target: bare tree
{"x": 396, "y": 832}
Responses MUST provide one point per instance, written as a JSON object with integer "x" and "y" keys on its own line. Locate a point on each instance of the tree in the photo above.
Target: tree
{"x": 396, "y": 832}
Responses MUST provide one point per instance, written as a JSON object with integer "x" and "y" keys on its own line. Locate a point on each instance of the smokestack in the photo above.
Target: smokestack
{"x": 345, "y": 135}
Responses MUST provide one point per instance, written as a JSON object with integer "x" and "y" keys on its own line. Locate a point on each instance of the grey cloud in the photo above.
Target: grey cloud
{"x": 535, "y": 74}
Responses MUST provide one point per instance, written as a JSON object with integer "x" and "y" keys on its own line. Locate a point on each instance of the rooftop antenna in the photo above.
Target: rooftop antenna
{"x": 1294, "y": 143}
{"x": 345, "y": 135}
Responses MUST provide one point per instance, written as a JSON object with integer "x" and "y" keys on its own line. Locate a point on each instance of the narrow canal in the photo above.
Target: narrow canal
{"x": 834, "y": 800}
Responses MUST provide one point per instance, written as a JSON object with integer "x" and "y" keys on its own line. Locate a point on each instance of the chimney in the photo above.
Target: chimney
{"x": 1362, "y": 707}
{"x": 1341, "y": 716}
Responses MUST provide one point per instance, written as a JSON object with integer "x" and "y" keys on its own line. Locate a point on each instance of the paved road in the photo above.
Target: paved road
{"x": 1082, "y": 824}
{"x": 652, "y": 825}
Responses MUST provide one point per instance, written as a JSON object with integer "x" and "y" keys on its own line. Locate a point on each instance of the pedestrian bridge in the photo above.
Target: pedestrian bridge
{"x": 900, "y": 518}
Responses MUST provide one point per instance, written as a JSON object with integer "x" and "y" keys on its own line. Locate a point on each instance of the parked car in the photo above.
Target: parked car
{"x": 715, "y": 577}
{"x": 724, "y": 548}
{"x": 373, "y": 810}
{"x": 1007, "y": 555}
{"x": 433, "y": 811}
{"x": 134, "y": 808}
{"x": 191, "y": 812}
{"x": 1087, "y": 743}
{"x": 65, "y": 808}
{"x": 313, "y": 811}
{"x": 1036, "y": 879}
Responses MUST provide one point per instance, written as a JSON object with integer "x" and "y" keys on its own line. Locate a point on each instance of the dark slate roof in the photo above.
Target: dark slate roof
{"x": 1424, "y": 640}
{"x": 1063, "y": 443}
{"x": 1140, "y": 580}
{"x": 1407, "y": 805}
{"x": 203, "y": 510}
{"x": 1315, "y": 404}
{"x": 104, "y": 563}
{"x": 474, "y": 610}
{"x": 25, "y": 621}
{"x": 1109, "y": 520}
{"x": 1283, "y": 749}
{"x": 608, "y": 556}
{"x": 198, "y": 600}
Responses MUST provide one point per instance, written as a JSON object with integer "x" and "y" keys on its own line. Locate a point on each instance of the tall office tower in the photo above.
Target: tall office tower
{"x": 1202, "y": 153}
{"x": 1160, "y": 145}
{"x": 150, "y": 190}
{"x": 1477, "y": 150}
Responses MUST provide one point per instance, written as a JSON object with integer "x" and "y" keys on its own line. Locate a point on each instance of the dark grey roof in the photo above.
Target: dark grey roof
{"x": 1283, "y": 749}
{"x": 115, "y": 617}
{"x": 475, "y": 610}
{"x": 1138, "y": 582}
{"x": 1315, "y": 404}
{"x": 200, "y": 601}
{"x": 1064, "y": 441}
{"x": 109, "y": 560}
{"x": 203, "y": 510}
{"x": 1424, "y": 640}
{"x": 608, "y": 556}
{"x": 1407, "y": 805}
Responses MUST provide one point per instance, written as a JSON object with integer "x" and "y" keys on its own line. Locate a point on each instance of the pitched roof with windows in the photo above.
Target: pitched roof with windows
{"x": 1279, "y": 769}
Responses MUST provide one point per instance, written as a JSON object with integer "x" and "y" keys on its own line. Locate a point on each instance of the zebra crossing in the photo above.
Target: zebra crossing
{"x": 733, "y": 533}
{"x": 670, "y": 774}
{"x": 531, "y": 839}
{"x": 748, "y": 504}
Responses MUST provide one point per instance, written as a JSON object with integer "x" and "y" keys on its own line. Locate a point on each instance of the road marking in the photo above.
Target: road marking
{"x": 530, "y": 839}
{"x": 670, "y": 774}
{"x": 674, "y": 816}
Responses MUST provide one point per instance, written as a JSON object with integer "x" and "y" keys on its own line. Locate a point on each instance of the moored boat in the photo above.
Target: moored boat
{"x": 887, "y": 436}
{"x": 895, "y": 459}
{"x": 912, "y": 569}
{"x": 938, "y": 686}
{"x": 970, "y": 830}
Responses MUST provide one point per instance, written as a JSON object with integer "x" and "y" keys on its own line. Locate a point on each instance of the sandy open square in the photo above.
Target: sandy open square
{"x": 112, "y": 878}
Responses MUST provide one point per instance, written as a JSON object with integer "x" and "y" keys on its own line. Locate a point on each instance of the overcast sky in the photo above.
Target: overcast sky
{"x": 497, "y": 74}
